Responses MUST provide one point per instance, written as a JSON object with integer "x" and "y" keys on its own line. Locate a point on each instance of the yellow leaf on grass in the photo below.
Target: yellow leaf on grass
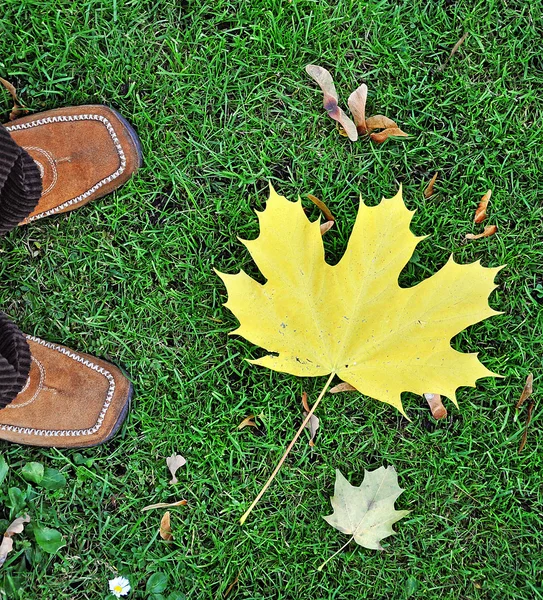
{"x": 353, "y": 319}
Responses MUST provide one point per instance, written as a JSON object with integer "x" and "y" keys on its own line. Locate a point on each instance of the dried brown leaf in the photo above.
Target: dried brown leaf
{"x": 164, "y": 505}
{"x": 17, "y": 110}
{"x": 527, "y": 391}
{"x": 489, "y": 230}
{"x": 429, "y": 191}
{"x": 480, "y": 213}
{"x": 326, "y": 226}
{"x": 454, "y": 50}
{"x": 313, "y": 424}
{"x": 231, "y": 586}
{"x": 531, "y": 405}
{"x": 357, "y": 105}
{"x": 17, "y": 526}
{"x": 380, "y": 122}
{"x": 436, "y": 406}
{"x": 322, "y": 207}
{"x": 175, "y": 462}
{"x": 330, "y": 101}
{"x": 386, "y": 133}
{"x": 342, "y": 387}
{"x": 247, "y": 422}
{"x": 166, "y": 528}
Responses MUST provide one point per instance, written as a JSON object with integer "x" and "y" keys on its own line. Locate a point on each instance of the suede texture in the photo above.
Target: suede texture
{"x": 70, "y": 400}
{"x": 82, "y": 152}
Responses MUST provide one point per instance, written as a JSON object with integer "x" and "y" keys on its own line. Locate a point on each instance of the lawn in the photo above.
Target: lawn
{"x": 218, "y": 94}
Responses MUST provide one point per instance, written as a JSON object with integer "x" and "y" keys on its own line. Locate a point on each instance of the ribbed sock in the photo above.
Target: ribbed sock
{"x": 20, "y": 183}
{"x": 14, "y": 360}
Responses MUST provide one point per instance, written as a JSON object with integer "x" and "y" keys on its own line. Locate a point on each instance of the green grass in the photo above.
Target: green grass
{"x": 218, "y": 94}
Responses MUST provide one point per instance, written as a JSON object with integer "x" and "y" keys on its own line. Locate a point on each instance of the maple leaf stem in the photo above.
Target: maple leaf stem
{"x": 336, "y": 553}
{"x": 287, "y": 451}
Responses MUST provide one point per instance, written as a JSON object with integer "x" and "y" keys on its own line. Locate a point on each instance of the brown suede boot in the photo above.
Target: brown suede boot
{"x": 70, "y": 400}
{"x": 82, "y": 153}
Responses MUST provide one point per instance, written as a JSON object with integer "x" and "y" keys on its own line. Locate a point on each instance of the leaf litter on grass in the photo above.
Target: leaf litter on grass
{"x": 346, "y": 330}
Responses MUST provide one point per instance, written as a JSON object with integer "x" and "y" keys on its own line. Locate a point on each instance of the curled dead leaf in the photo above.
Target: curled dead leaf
{"x": 429, "y": 191}
{"x": 379, "y": 122}
{"x": 330, "y": 101}
{"x": 480, "y": 213}
{"x": 382, "y": 136}
{"x": 313, "y": 424}
{"x": 524, "y": 439}
{"x": 17, "y": 526}
{"x": 527, "y": 391}
{"x": 175, "y": 462}
{"x": 322, "y": 207}
{"x": 326, "y": 226}
{"x": 247, "y": 422}
{"x": 165, "y": 527}
{"x": 342, "y": 387}
{"x": 436, "y": 406}
{"x": 357, "y": 105}
{"x": 488, "y": 231}
{"x": 164, "y": 505}
{"x": 17, "y": 110}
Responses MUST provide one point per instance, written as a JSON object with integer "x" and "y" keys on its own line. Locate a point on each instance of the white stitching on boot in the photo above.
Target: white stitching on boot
{"x": 51, "y": 162}
{"x": 71, "y": 432}
{"x": 94, "y": 188}
{"x": 36, "y": 393}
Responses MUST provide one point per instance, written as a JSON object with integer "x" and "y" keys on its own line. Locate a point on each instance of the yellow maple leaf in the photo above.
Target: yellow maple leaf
{"x": 353, "y": 319}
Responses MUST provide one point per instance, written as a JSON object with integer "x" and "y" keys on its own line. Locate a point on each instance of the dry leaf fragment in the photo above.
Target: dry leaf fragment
{"x": 436, "y": 406}
{"x": 480, "y": 213}
{"x": 386, "y": 133}
{"x": 17, "y": 110}
{"x": 166, "y": 528}
{"x": 488, "y": 231}
{"x": 17, "y": 526}
{"x": 231, "y": 586}
{"x": 342, "y": 387}
{"x": 322, "y": 207}
{"x": 330, "y": 101}
{"x": 175, "y": 462}
{"x": 326, "y": 226}
{"x": 357, "y": 105}
{"x": 380, "y": 122}
{"x": 429, "y": 191}
{"x": 527, "y": 391}
{"x": 531, "y": 405}
{"x": 164, "y": 505}
{"x": 247, "y": 422}
{"x": 454, "y": 50}
{"x": 313, "y": 424}
{"x": 366, "y": 512}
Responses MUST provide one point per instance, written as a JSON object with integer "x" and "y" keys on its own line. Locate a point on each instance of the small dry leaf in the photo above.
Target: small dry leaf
{"x": 330, "y": 101}
{"x": 313, "y": 424}
{"x": 166, "y": 528}
{"x": 164, "y": 505}
{"x": 247, "y": 422}
{"x": 322, "y": 207}
{"x": 326, "y": 226}
{"x": 429, "y": 191}
{"x": 531, "y": 405}
{"x": 480, "y": 213}
{"x": 342, "y": 387}
{"x": 527, "y": 391}
{"x": 17, "y": 110}
{"x": 489, "y": 230}
{"x": 231, "y": 586}
{"x": 379, "y": 122}
{"x": 386, "y": 133}
{"x": 454, "y": 50}
{"x": 357, "y": 105}
{"x": 436, "y": 406}
{"x": 17, "y": 526}
{"x": 175, "y": 462}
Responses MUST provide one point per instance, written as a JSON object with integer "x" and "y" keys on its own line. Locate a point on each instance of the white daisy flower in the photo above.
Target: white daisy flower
{"x": 120, "y": 586}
